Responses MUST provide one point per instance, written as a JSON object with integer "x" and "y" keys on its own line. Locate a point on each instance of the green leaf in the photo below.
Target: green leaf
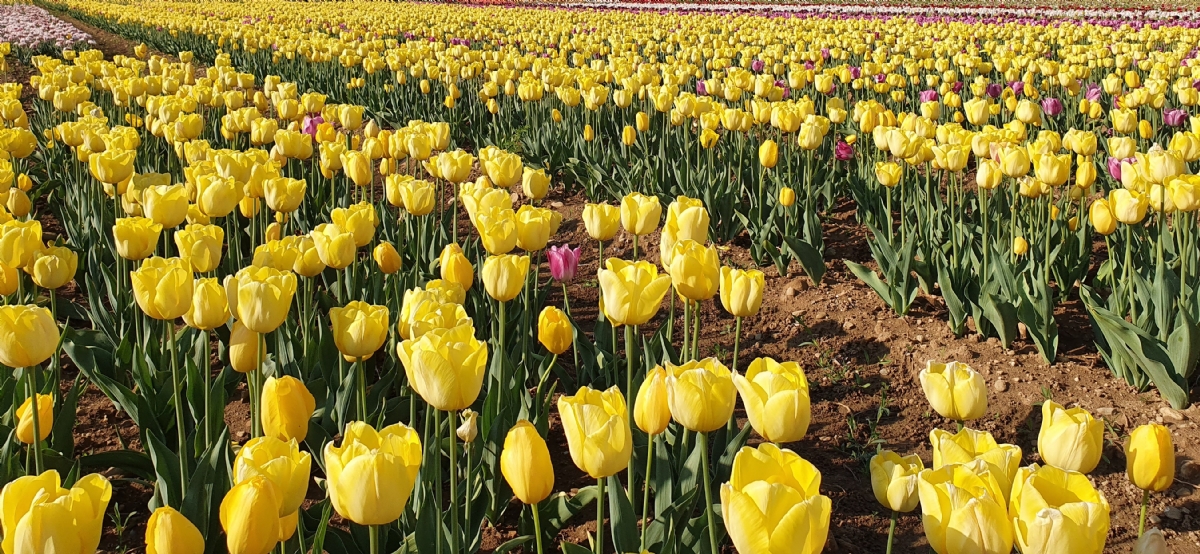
{"x": 569, "y": 548}
{"x": 1184, "y": 345}
{"x": 1001, "y": 314}
{"x": 129, "y": 461}
{"x": 621, "y": 517}
{"x": 1146, "y": 351}
{"x": 512, "y": 544}
{"x": 810, "y": 258}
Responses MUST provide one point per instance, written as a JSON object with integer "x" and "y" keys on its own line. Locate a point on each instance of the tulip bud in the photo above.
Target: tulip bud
{"x": 894, "y": 480}
{"x": 287, "y": 407}
{"x": 954, "y": 390}
{"x": 1152, "y": 542}
{"x": 45, "y": 417}
{"x": 1070, "y": 439}
{"x": 250, "y": 517}
{"x": 169, "y": 532}
{"x": 1020, "y": 246}
{"x": 387, "y": 258}
{"x": 525, "y": 463}
{"x": 651, "y": 410}
{"x": 741, "y": 291}
{"x": 455, "y": 267}
{"x": 244, "y": 349}
{"x": 1150, "y": 458}
{"x": 701, "y": 394}
{"x": 601, "y": 221}
{"x": 787, "y": 197}
{"x": 597, "y": 428}
{"x": 768, "y": 154}
{"x": 470, "y": 426}
{"x": 504, "y": 276}
{"x": 555, "y": 331}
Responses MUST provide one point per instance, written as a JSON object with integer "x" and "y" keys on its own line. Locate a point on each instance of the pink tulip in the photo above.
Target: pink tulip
{"x": 563, "y": 262}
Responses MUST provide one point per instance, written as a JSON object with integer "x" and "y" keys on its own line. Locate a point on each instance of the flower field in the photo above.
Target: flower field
{"x": 360, "y": 277}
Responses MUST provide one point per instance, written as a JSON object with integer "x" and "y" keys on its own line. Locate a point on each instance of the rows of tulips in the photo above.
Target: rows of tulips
{"x": 272, "y": 279}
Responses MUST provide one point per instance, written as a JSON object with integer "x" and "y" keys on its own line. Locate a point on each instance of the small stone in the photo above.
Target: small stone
{"x": 516, "y": 198}
{"x": 848, "y": 325}
{"x": 1022, "y": 330}
{"x": 790, "y": 291}
{"x": 556, "y": 204}
{"x": 1155, "y": 519}
{"x": 1016, "y": 379}
{"x": 1171, "y": 414}
{"x": 1183, "y": 492}
{"x": 797, "y": 313}
{"x": 843, "y": 409}
{"x": 883, "y": 372}
{"x": 1106, "y": 411}
{"x": 1173, "y": 513}
{"x": 1000, "y": 385}
{"x": 919, "y": 338}
{"x": 883, "y": 336}
{"x": 1189, "y": 470}
{"x": 993, "y": 341}
{"x": 758, "y": 336}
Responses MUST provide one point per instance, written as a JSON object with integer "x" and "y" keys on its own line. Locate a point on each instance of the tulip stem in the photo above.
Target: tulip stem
{"x": 207, "y": 387}
{"x": 696, "y": 333}
{"x": 450, "y": 418}
{"x": 635, "y": 245}
{"x": 362, "y": 389}
{"x": 36, "y": 445}
{"x": 646, "y": 493}
{"x": 1142, "y": 519}
{"x": 599, "y": 546}
{"x": 630, "y": 354}
{"x": 708, "y": 510}
{"x": 373, "y": 533}
{"x": 537, "y": 527}
{"x": 687, "y": 330}
{"x": 891, "y": 532}
{"x": 177, "y": 389}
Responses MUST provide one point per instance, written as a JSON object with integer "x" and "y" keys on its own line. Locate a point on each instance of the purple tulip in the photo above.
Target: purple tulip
{"x": 843, "y": 151}
{"x": 994, "y": 90}
{"x": 957, "y": 87}
{"x": 1093, "y": 92}
{"x": 824, "y": 53}
{"x": 1196, "y": 84}
{"x": 929, "y": 95}
{"x": 757, "y": 66}
{"x": 1114, "y": 166}
{"x": 563, "y": 262}
{"x": 1017, "y": 87}
{"x": 808, "y": 65}
{"x": 1174, "y": 118}
{"x": 1052, "y": 106}
{"x": 881, "y": 78}
{"x": 310, "y": 124}
{"x": 855, "y": 72}
{"x": 701, "y": 88}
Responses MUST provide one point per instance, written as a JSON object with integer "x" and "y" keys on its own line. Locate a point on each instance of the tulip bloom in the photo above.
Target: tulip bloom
{"x": 163, "y": 287}
{"x": 525, "y": 464}
{"x": 563, "y": 262}
{"x": 535, "y": 183}
{"x": 687, "y": 219}
{"x": 555, "y": 331}
{"x": 954, "y": 390}
{"x": 601, "y": 221}
{"x": 1070, "y": 439}
{"x": 497, "y": 228}
{"x": 969, "y": 445}
{"x": 777, "y": 399}
{"x": 1150, "y": 458}
{"x": 768, "y": 154}
{"x": 640, "y": 214}
{"x": 534, "y": 227}
{"x": 244, "y": 354}
{"x": 504, "y": 276}
{"x": 445, "y": 366}
{"x": 250, "y": 516}
{"x": 200, "y": 246}
{"x": 359, "y": 220}
{"x": 651, "y": 409}
{"x": 169, "y": 532}
{"x": 597, "y": 428}
{"x": 38, "y": 515}
{"x": 166, "y": 205}
{"x": 53, "y": 267}
{"x": 359, "y": 329}
{"x": 308, "y": 261}
{"x": 263, "y": 297}
{"x": 373, "y": 473}
{"x": 387, "y": 258}
{"x": 45, "y": 417}
{"x": 701, "y": 394}
{"x": 456, "y": 268}
{"x": 1057, "y": 511}
{"x": 284, "y": 194}
{"x": 287, "y": 406}
{"x": 282, "y": 463}
{"x": 631, "y": 292}
{"x": 894, "y": 480}
{"x": 773, "y": 504}
{"x": 20, "y": 240}
{"x": 963, "y": 512}
{"x": 695, "y": 270}
{"x": 741, "y": 291}
{"x": 335, "y": 247}
{"x": 209, "y": 305}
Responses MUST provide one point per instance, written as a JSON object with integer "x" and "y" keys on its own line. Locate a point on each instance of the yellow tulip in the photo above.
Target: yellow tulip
{"x": 555, "y": 331}
{"x": 163, "y": 287}
{"x": 776, "y": 397}
{"x": 1057, "y": 511}
{"x": 45, "y": 416}
{"x": 525, "y": 463}
{"x": 357, "y": 166}
{"x": 601, "y": 221}
{"x": 445, "y": 366}
{"x": 20, "y": 240}
{"x": 1150, "y": 458}
{"x": 535, "y": 183}
{"x": 250, "y": 516}
{"x": 209, "y": 307}
{"x": 640, "y": 214}
{"x": 894, "y": 480}
{"x": 372, "y": 474}
{"x": 1014, "y": 162}
{"x": 111, "y": 166}
{"x": 969, "y": 445}
{"x": 263, "y": 297}
{"x": 768, "y": 154}
{"x": 773, "y": 503}
{"x": 1128, "y": 207}
{"x": 387, "y": 258}
{"x": 1052, "y": 170}
{"x": 166, "y": 205}
{"x": 963, "y": 512}
{"x": 597, "y": 428}
{"x": 504, "y": 169}
{"x": 741, "y": 291}
{"x": 701, "y": 394}
{"x": 281, "y": 463}
{"x": 422, "y": 311}
{"x": 1070, "y": 439}
{"x": 534, "y": 227}
{"x": 455, "y": 267}
{"x": 217, "y": 196}
{"x": 308, "y": 258}
{"x": 1185, "y": 193}
{"x": 169, "y": 532}
{"x": 695, "y": 270}
{"x": 53, "y": 267}
{"x": 38, "y": 515}
{"x": 954, "y": 390}
{"x": 629, "y": 136}
{"x": 589, "y": 134}
{"x": 504, "y": 276}
{"x": 244, "y": 349}
{"x": 1020, "y": 246}
{"x": 651, "y": 409}
{"x": 335, "y": 246}
{"x": 631, "y": 292}
{"x": 888, "y": 173}
{"x": 359, "y": 328}
{"x": 284, "y": 194}
{"x": 359, "y": 220}
{"x": 18, "y": 203}
{"x": 287, "y": 406}
{"x": 787, "y": 197}
{"x": 455, "y": 166}
{"x": 200, "y": 246}
{"x": 497, "y": 229}
{"x": 687, "y": 218}
{"x": 1161, "y": 165}
{"x": 135, "y": 237}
